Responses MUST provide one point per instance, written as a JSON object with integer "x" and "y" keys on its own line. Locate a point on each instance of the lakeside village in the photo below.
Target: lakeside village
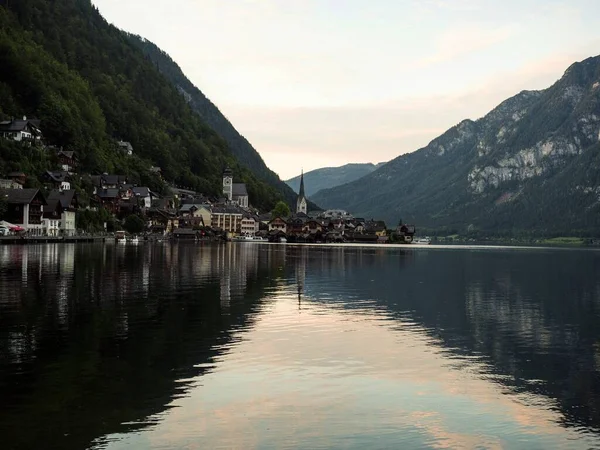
{"x": 54, "y": 211}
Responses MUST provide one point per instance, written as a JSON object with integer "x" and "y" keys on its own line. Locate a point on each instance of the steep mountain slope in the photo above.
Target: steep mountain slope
{"x": 238, "y": 145}
{"x": 328, "y": 177}
{"x": 530, "y": 165}
{"x": 63, "y": 63}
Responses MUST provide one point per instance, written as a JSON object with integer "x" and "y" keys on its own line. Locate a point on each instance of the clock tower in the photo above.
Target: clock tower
{"x": 228, "y": 183}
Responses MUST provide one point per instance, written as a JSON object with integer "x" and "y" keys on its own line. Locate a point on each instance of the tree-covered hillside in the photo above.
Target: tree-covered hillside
{"x": 64, "y": 64}
{"x": 211, "y": 115}
{"x": 532, "y": 165}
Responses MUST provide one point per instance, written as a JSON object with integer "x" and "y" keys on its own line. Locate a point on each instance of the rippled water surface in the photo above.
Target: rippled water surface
{"x": 252, "y": 345}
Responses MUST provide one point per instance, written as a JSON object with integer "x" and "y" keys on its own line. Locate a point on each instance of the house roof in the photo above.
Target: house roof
{"x": 376, "y": 225}
{"x": 68, "y": 154}
{"x": 108, "y": 193}
{"x": 19, "y": 125}
{"x": 195, "y": 200}
{"x": 279, "y": 219}
{"x": 110, "y": 179}
{"x": 188, "y": 206}
{"x": 297, "y": 221}
{"x": 22, "y": 196}
{"x": 56, "y": 176}
{"x": 141, "y": 191}
{"x": 99, "y": 180}
{"x": 125, "y": 145}
{"x": 239, "y": 190}
{"x": 227, "y": 210}
{"x": 51, "y": 206}
{"x": 64, "y": 197}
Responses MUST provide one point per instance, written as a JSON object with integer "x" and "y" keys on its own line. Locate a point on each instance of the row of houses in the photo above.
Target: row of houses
{"x": 54, "y": 213}
{"x": 322, "y": 228}
{"x": 38, "y": 215}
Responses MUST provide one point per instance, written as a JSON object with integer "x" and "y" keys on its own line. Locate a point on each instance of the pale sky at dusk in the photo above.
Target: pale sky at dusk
{"x": 314, "y": 83}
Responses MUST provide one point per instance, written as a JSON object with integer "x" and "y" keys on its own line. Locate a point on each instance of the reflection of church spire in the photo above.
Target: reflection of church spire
{"x": 301, "y": 277}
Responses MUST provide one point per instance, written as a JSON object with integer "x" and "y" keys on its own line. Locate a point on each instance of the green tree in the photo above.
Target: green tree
{"x": 281, "y": 210}
{"x": 134, "y": 224}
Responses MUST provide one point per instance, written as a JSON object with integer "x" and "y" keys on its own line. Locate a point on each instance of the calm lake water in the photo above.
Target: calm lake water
{"x": 250, "y": 345}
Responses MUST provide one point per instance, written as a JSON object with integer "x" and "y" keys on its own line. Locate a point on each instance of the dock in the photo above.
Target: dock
{"x": 18, "y": 240}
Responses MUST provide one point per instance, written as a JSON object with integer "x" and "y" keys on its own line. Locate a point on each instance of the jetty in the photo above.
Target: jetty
{"x": 23, "y": 240}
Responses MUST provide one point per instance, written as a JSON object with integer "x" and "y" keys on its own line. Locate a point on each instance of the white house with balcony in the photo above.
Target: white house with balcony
{"x": 21, "y": 130}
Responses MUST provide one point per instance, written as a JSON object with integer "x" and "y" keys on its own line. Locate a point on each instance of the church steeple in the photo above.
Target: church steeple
{"x": 301, "y": 192}
{"x": 301, "y": 203}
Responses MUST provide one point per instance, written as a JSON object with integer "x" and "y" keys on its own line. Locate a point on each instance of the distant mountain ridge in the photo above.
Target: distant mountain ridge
{"x": 328, "y": 177}
{"x": 531, "y": 165}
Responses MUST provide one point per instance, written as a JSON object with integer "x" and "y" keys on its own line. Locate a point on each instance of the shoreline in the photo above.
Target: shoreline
{"x": 36, "y": 240}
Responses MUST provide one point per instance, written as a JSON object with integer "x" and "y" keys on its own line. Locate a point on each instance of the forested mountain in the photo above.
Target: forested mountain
{"x": 238, "y": 144}
{"x": 532, "y": 165}
{"x": 328, "y": 177}
{"x": 61, "y": 62}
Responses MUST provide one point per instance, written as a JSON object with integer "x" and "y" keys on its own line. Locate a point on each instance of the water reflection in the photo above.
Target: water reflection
{"x": 94, "y": 339}
{"x": 282, "y": 346}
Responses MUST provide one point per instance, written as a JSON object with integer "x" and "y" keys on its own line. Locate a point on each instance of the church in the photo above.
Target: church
{"x": 301, "y": 203}
{"x": 234, "y": 192}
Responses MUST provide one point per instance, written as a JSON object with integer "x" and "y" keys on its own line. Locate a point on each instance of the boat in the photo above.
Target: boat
{"x": 424, "y": 240}
{"x": 247, "y": 238}
{"x": 120, "y": 237}
{"x": 134, "y": 240}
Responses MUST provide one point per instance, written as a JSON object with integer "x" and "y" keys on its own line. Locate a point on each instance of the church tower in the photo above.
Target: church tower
{"x": 228, "y": 183}
{"x": 301, "y": 203}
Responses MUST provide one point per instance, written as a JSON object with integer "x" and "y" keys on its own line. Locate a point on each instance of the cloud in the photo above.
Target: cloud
{"x": 464, "y": 40}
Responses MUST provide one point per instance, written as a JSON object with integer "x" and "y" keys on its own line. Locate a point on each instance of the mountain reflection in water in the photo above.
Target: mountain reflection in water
{"x": 248, "y": 345}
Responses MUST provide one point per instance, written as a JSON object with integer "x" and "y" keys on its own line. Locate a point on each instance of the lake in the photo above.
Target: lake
{"x": 269, "y": 346}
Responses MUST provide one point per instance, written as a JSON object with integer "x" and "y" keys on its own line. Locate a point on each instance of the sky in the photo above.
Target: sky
{"x": 316, "y": 83}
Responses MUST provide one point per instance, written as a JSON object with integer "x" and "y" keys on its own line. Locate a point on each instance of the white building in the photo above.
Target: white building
{"x": 125, "y": 147}
{"x": 51, "y": 227}
{"x": 144, "y": 196}
{"x": 21, "y": 130}
{"x": 25, "y": 208}
{"x": 67, "y": 223}
{"x": 249, "y": 225}
{"x": 236, "y": 193}
{"x": 228, "y": 184}
{"x": 227, "y": 218}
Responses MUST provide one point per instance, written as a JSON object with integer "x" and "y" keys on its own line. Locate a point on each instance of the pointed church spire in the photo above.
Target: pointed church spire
{"x": 301, "y": 202}
{"x": 301, "y": 192}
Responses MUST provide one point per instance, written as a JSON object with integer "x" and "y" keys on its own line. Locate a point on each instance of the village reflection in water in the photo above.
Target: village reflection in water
{"x": 263, "y": 345}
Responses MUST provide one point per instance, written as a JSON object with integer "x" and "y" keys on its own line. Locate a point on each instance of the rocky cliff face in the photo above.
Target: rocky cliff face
{"x": 532, "y": 163}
